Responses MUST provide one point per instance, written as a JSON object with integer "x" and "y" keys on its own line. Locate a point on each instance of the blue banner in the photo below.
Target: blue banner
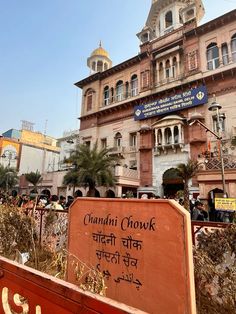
{"x": 191, "y": 98}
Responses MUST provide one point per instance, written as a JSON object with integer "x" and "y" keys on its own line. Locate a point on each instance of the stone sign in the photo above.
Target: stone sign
{"x": 142, "y": 247}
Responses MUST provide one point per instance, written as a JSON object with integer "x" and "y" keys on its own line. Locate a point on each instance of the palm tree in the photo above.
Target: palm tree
{"x": 186, "y": 172}
{"x": 8, "y": 178}
{"x": 93, "y": 167}
{"x": 34, "y": 178}
{"x": 71, "y": 178}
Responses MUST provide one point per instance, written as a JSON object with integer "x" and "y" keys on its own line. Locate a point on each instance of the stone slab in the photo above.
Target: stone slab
{"x": 143, "y": 247}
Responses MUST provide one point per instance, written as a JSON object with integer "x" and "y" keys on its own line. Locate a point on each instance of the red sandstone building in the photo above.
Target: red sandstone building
{"x": 141, "y": 108}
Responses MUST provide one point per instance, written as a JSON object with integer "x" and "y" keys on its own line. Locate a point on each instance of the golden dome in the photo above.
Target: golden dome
{"x": 100, "y": 52}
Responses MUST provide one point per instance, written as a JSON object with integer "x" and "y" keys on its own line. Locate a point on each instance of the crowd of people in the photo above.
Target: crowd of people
{"x": 31, "y": 201}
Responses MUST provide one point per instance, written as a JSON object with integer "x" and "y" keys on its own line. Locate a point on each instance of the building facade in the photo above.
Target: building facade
{"x": 29, "y": 151}
{"x": 142, "y": 108}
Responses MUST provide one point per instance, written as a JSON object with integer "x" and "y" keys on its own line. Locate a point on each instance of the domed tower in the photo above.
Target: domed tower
{"x": 168, "y": 15}
{"x": 99, "y": 60}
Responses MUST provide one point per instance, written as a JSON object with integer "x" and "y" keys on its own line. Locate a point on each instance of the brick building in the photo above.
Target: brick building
{"x": 141, "y": 108}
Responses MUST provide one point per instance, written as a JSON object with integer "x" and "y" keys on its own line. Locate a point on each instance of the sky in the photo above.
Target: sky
{"x": 44, "y": 46}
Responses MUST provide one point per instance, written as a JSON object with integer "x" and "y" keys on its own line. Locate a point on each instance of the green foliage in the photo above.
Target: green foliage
{"x": 92, "y": 167}
{"x": 186, "y": 172}
{"x": 8, "y": 178}
{"x": 34, "y": 178}
{"x": 215, "y": 271}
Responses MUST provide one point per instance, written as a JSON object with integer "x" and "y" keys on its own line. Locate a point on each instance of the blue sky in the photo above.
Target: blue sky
{"x": 44, "y": 47}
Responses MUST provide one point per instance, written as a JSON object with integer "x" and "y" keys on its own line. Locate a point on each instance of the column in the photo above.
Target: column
{"x": 156, "y": 137}
{"x": 172, "y": 134}
{"x": 157, "y": 73}
{"x": 180, "y": 133}
{"x": 163, "y": 142}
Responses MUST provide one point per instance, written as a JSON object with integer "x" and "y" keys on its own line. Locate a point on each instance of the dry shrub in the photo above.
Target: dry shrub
{"x": 18, "y": 234}
{"x": 17, "y": 231}
{"x": 215, "y": 272}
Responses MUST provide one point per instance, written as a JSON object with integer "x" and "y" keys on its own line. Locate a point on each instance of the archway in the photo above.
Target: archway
{"x": 46, "y": 192}
{"x": 110, "y": 194}
{"x": 172, "y": 183}
{"x": 78, "y": 193}
{"x": 97, "y": 194}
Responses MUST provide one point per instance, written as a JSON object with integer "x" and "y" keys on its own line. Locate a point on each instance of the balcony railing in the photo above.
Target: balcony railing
{"x": 214, "y": 163}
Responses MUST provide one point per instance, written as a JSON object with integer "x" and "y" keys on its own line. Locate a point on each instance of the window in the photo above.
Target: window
{"x": 168, "y": 69}
{"x": 145, "y": 79}
{"x": 133, "y": 139}
{"x": 159, "y": 137}
{"x": 168, "y": 136}
{"x": 99, "y": 66}
{"x": 89, "y": 100}
{"x": 134, "y": 85}
{"x": 176, "y": 135}
{"x": 119, "y": 91}
{"x": 174, "y": 66}
{"x": 118, "y": 139}
{"x": 225, "y": 55}
{"x": 94, "y": 66}
{"x": 212, "y": 57}
{"x": 106, "y": 96}
{"x": 104, "y": 142}
{"x": 168, "y": 19}
{"x": 233, "y": 47}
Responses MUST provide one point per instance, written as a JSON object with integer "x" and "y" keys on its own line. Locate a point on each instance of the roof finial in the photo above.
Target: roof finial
{"x": 100, "y": 43}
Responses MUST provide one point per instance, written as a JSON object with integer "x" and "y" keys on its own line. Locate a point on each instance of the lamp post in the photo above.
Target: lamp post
{"x": 214, "y": 107}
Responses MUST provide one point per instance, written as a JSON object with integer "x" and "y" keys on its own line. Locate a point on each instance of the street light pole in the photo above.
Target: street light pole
{"x": 216, "y": 107}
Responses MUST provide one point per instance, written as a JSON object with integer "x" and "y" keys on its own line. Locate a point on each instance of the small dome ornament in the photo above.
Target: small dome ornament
{"x": 99, "y": 60}
{"x": 100, "y": 51}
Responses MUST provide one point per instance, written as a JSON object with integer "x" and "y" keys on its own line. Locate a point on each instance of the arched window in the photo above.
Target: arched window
{"x": 119, "y": 91}
{"x": 105, "y": 66}
{"x": 94, "y": 66}
{"x": 134, "y": 85}
{"x": 225, "y": 55}
{"x": 212, "y": 56}
{"x": 106, "y": 95}
{"x": 176, "y": 135}
{"x": 168, "y": 19}
{"x": 168, "y": 136}
{"x": 99, "y": 66}
{"x": 168, "y": 69}
{"x": 117, "y": 139}
{"x": 174, "y": 67}
{"x": 233, "y": 47}
{"x": 159, "y": 137}
{"x": 89, "y": 100}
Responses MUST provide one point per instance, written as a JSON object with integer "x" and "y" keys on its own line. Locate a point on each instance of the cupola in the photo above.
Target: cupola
{"x": 99, "y": 60}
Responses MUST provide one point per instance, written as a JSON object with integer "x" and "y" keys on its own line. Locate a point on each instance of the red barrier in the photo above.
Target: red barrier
{"x": 24, "y": 290}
